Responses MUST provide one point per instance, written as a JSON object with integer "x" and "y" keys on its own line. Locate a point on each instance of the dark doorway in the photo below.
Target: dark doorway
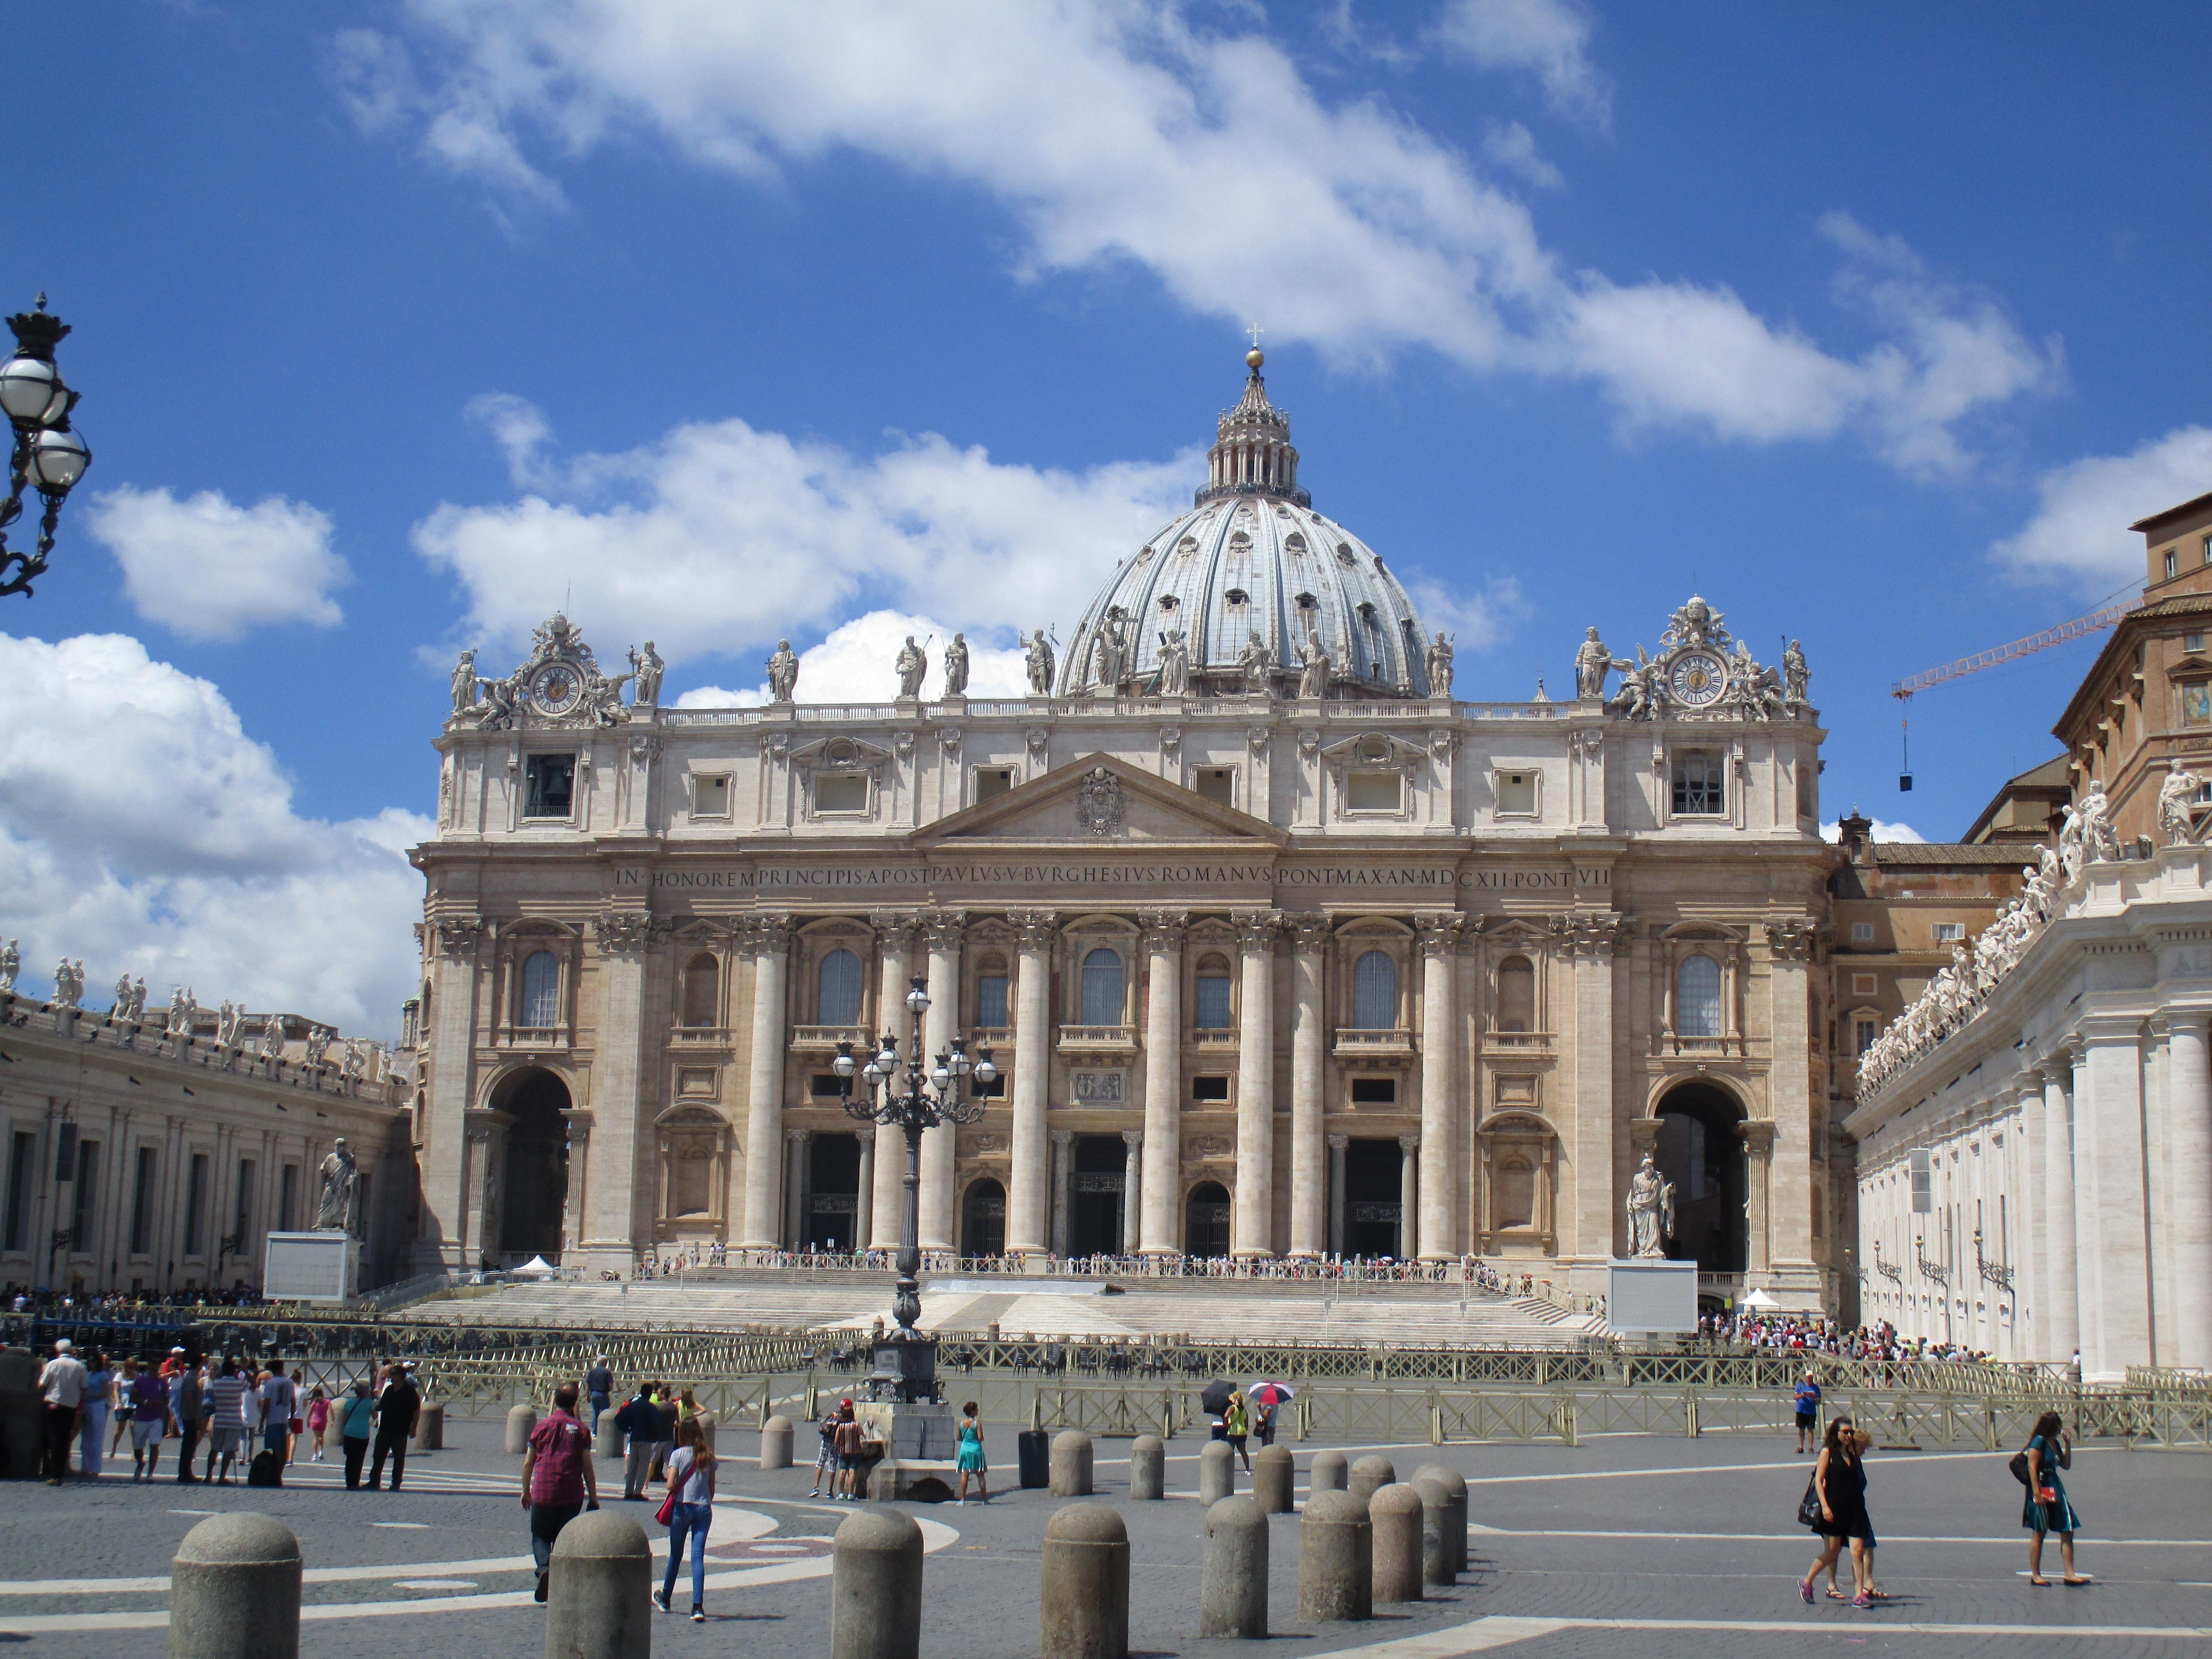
{"x": 1701, "y": 1152}
{"x": 1094, "y": 1215}
{"x": 832, "y": 1187}
{"x": 535, "y": 1177}
{"x": 1372, "y": 1172}
{"x": 983, "y": 1219}
{"x": 1205, "y": 1226}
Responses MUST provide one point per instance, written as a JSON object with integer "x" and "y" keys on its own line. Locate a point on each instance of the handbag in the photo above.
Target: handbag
{"x": 2018, "y": 1466}
{"x": 665, "y": 1515}
{"x": 1808, "y": 1506}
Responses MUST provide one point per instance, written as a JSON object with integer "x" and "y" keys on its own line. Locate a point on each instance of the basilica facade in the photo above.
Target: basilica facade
{"x": 1280, "y": 948}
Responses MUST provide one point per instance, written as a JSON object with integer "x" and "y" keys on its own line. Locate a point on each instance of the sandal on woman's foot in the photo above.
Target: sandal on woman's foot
{"x": 1805, "y": 1589}
{"x": 1874, "y": 1594}
{"x": 2040, "y": 1583}
{"x": 1835, "y": 1594}
{"x": 2073, "y": 1583}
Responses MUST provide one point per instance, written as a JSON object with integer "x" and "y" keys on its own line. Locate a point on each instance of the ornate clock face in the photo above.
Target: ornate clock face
{"x": 557, "y": 689}
{"x": 1697, "y": 677}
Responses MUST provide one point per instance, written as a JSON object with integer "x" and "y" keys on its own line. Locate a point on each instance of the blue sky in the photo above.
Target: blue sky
{"x": 398, "y": 324}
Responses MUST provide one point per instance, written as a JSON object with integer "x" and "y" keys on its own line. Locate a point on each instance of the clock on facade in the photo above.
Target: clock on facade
{"x": 557, "y": 689}
{"x": 1697, "y": 677}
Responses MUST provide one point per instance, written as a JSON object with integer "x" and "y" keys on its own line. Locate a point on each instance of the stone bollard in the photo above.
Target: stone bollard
{"x": 1085, "y": 1609}
{"x": 430, "y": 1429}
{"x": 1335, "y": 1558}
{"x": 599, "y": 1603}
{"x": 1217, "y": 1472}
{"x": 1232, "y": 1597}
{"x": 520, "y": 1420}
{"x": 1274, "y": 1480}
{"x": 1148, "y": 1466}
{"x": 1329, "y": 1473}
{"x": 1435, "y": 1528}
{"x": 607, "y": 1439}
{"x": 1071, "y": 1464}
{"x": 1454, "y": 1525}
{"x": 875, "y": 1587}
{"x": 1394, "y": 1513}
{"x": 1369, "y": 1475}
{"x": 234, "y": 1590}
{"x": 775, "y": 1443}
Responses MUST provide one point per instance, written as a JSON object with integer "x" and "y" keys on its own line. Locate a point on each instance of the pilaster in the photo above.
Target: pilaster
{"x": 455, "y": 992}
{"x": 622, "y": 1220}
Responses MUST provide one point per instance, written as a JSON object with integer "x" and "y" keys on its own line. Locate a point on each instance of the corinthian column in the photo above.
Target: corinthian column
{"x": 2059, "y": 1318}
{"x": 1758, "y": 1135}
{"x": 895, "y": 932}
{"x": 770, "y": 940}
{"x": 1309, "y": 1186}
{"x": 945, "y": 930}
{"x": 1439, "y": 1231}
{"x": 2188, "y": 1118}
{"x": 1164, "y": 931}
{"x": 1029, "y": 1208}
{"x": 1252, "y": 1228}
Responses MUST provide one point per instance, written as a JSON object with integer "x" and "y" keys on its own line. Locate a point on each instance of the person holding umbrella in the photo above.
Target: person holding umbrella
{"x": 1264, "y": 1398}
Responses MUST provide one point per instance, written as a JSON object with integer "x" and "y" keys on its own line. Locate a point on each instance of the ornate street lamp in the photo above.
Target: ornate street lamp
{"x": 948, "y": 1091}
{"x": 48, "y": 456}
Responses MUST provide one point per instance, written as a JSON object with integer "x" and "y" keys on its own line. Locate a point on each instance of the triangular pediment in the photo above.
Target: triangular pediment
{"x": 1100, "y": 801}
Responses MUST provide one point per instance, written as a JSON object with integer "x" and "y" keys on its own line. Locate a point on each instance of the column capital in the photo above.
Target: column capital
{"x": 629, "y": 932}
{"x": 864, "y": 1132}
{"x": 1643, "y": 1134}
{"x": 1308, "y": 929}
{"x": 1034, "y": 929}
{"x": 1757, "y": 1134}
{"x": 1164, "y": 929}
{"x": 1339, "y": 1143}
{"x": 766, "y": 932}
{"x": 1409, "y": 1143}
{"x": 1791, "y": 938}
{"x": 1439, "y": 931}
{"x": 1588, "y": 932}
{"x": 1256, "y": 930}
{"x": 945, "y": 929}
{"x": 895, "y": 927}
{"x": 1133, "y": 1138}
{"x": 796, "y": 1137}
{"x": 1063, "y": 1137}
{"x": 459, "y": 936}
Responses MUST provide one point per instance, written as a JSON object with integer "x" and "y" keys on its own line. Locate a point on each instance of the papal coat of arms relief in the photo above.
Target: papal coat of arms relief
{"x": 1100, "y": 807}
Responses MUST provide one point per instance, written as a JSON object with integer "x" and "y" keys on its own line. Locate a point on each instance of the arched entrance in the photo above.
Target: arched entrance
{"x": 535, "y": 1170}
{"x": 1701, "y": 1152}
{"x": 983, "y": 1219}
{"x": 1205, "y": 1227}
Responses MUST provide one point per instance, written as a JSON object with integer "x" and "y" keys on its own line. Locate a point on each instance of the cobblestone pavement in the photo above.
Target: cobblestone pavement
{"x": 1627, "y": 1546}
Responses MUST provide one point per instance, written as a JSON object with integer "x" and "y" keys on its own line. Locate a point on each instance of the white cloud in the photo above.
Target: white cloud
{"x": 723, "y": 537}
{"x": 208, "y": 569}
{"x": 1512, "y": 148}
{"x": 1882, "y": 831}
{"x": 1548, "y": 37}
{"x": 853, "y": 664}
{"x": 142, "y": 829}
{"x": 2080, "y": 532}
{"x": 1120, "y": 132}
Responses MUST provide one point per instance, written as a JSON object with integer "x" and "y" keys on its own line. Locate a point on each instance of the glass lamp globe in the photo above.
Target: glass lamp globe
{"x": 843, "y": 1064}
{"x": 942, "y": 1076}
{"x": 872, "y": 1072}
{"x": 31, "y": 391}
{"x": 59, "y": 460}
{"x": 917, "y": 999}
{"x": 986, "y": 1072}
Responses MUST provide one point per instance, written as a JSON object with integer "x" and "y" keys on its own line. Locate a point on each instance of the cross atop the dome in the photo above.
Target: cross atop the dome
{"x": 1256, "y": 331}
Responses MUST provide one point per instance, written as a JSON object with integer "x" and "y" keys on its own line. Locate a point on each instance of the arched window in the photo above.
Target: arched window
{"x": 1213, "y": 994}
{"x": 1517, "y": 994}
{"x": 1375, "y": 992}
{"x": 1102, "y": 988}
{"x": 701, "y": 980}
{"x": 837, "y": 985}
{"x": 1698, "y": 997}
{"x": 541, "y": 990}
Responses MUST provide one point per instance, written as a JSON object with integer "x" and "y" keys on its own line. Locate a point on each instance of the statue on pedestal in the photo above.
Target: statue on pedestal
{"x": 911, "y": 665}
{"x": 648, "y": 668}
{"x": 955, "y": 666}
{"x": 1313, "y": 666}
{"x": 1440, "y": 666}
{"x": 11, "y": 963}
{"x": 1650, "y": 1211}
{"x": 1037, "y": 656}
{"x": 1593, "y": 662}
{"x": 1173, "y": 679}
{"x": 782, "y": 672}
{"x": 464, "y": 682}
{"x": 338, "y": 1174}
{"x": 1256, "y": 665}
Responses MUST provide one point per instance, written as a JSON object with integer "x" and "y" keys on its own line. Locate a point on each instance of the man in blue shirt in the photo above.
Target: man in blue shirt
{"x": 1808, "y": 1408}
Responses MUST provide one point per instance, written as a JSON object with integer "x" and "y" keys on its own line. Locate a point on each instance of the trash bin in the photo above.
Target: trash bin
{"x": 1035, "y": 1447}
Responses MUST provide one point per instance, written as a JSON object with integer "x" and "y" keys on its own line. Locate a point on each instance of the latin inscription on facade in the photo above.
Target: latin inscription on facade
{"x": 771, "y": 878}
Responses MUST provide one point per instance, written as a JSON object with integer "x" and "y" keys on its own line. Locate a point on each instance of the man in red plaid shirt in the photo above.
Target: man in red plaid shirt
{"x": 557, "y": 1479}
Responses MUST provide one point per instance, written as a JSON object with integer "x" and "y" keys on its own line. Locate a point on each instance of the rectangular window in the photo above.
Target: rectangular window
{"x": 141, "y": 1202}
{"x": 1950, "y": 932}
{"x": 991, "y": 1001}
{"x": 1209, "y": 1088}
{"x": 241, "y": 1222}
{"x": 21, "y": 1152}
{"x": 1218, "y": 784}
{"x": 2192, "y": 642}
{"x": 842, "y": 791}
{"x": 1373, "y": 791}
{"x": 710, "y": 795}
{"x": 1862, "y": 933}
{"x": 1923, "y": 1195}
{"x": 2172, "y": 558}
{"x": 823, "y": 1085}
{"x": 995, "y": 1089}
{"x": 993, "y": 781}
{"x": 1516, "y": 794}
{"x": 1698, "y": 788}
{"x": 1867, "y": 1030}
{"x": 195, "y": 1182}
{"x": 287, "y": 1198}
{"x": 2196, "y": 703}
{"x": 1213, "y": 1002}
{"x": 2207, "y": 551}
{"x": 1374, "y": 1091}
{"x": 550, "y": 783}
{"x": 84, "y": 1201}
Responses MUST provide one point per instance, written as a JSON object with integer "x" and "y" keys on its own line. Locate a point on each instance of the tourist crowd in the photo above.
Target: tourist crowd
{"x": 1801, "y": 1334}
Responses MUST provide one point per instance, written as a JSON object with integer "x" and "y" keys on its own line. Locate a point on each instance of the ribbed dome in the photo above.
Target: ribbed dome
{"x": 1252, "y": 558}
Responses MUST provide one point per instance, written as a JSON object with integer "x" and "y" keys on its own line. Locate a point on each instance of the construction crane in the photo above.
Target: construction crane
{"x": 2095, "y": 622}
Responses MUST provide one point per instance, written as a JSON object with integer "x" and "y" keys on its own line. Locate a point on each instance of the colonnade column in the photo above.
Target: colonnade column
{"x": 1063, "y": 1181}
{"x": 1337, "y": 1146}
{"x": 1029, "y": 1206}
{"x": 795, "y": 1143}
{"x": 1438, "y": 1235}
{"x": 1163, "y": 934}
{"x": 2081, "y": 1119}
{"x": 895, "y": 932}
{"x": 2059, "y": 1316}
{"x": 1310, "y": 1188}
{"x": 1409, "y": 1195}
{"x": 1133, "y": 1186}
{"x": 945, "y": 930}
{"x": 2189, "y": 1116}
{"x": 2121, "y": 1287}
{"x": 2032, "y": 1270}
{"x": 1253, "y": 1221}
{"x": 864, "y": 1214}
{"x": 770, "y": 939}
{"x": 1758, "y": 1170}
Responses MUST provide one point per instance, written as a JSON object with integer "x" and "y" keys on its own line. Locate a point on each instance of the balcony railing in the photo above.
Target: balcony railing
{"x": 998, "y": 1038}
{"x": 1112, "y": 1038}
{"x": 1673, "y": 1043}
{"x": 829, "y": 1036}
{"x": 1522, "y": 1039}
{"x": 1361, "y": 1039}
{"x": 1205, "y": 1036}
{"x": 700, "y": 1034}
{"x": 534, "y": 1037}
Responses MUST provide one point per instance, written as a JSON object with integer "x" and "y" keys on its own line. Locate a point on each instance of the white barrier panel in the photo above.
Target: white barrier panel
{"x": 308, "y": 1267}
{"x": 1651, "y": 1296}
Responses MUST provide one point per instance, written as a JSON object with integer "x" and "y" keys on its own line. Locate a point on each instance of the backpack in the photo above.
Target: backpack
{"x": 267, "y": 1470}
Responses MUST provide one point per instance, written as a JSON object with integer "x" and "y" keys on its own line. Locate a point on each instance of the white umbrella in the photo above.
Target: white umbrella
{"x": 1758, "y": 1299}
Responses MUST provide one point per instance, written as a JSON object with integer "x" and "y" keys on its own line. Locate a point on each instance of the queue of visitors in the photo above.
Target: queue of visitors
{"x": 1802, "y": 1334}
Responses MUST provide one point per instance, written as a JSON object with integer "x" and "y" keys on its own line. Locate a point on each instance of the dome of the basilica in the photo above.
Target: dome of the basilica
{"x": 1240, "y": 582}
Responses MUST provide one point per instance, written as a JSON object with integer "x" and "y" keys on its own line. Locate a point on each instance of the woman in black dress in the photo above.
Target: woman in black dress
{"x": 1842, "y": 1499}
